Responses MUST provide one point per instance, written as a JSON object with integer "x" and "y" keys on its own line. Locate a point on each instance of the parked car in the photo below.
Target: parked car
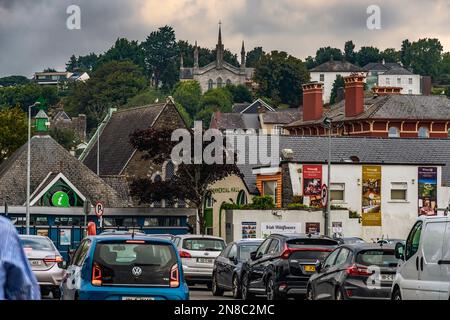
{"x": 389, "y": 241}
{"x": 282, "y": 265}
{"x": 227, "y": 271}
{"x": 424, "y": 268}
{"x": 167, "y": 236}
{"x": 198, "y": 253}
{"x": 354, "y": 271}
{"x": 350, "y": 240}
{"x": 125, "y": 267}
{"x": 46, "y": 262}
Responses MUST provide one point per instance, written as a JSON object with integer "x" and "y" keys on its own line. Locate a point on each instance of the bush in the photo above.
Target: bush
{"x": 262, "y": 202}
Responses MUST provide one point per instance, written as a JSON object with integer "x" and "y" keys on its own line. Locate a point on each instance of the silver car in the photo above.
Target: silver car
{"x": 198, "y": 253}
{"x": 46, "y": 262}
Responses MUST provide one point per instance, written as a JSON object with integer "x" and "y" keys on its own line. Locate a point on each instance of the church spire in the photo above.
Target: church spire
{"x": 243, "y": 55}
{"x": 219, "y": 48}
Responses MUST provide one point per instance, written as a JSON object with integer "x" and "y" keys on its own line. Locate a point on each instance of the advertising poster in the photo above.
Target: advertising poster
{"x": 42, "y": 232}
{"x": 312, "y": 227}
{"x": 312, "y": 184}
{"x": 248, "y": 230}
{"x": 427, "y": 184}
{"x": 371, "y": 196}
{"x": 267, "y": 228}
{"x": 65, "y": 236}
{"x": 336, "y": 227}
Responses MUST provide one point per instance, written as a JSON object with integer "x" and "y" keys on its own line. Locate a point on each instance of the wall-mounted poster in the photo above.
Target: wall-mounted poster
{"x": 371, "y": 196}
{"x": 42, "y": 232}
{"x": 427, "y": 184}
{"x": 248, "y": 230}
{"x": 312, "y": 227}
{"x": 267, "y": 228}
{"x": 312, "y": 183}
{"x": 65, "y": 236}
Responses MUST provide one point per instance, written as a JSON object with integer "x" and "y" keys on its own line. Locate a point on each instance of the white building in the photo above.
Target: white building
{"x": 401, "y": 77}
{"x": 327, "y": 72}
{"x": 59, "y": 77}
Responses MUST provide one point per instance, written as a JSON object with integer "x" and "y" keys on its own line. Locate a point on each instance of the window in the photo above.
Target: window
{"x": 342, "y": 257}
{"x": 228, "y": 82}
{"x": 399, "y": 191}
{"x": 388, "y": 81}
{"x": 412, "y": 243}
{"x": 233, "y": 252}
{"x": 263, "y": 248}
{"x": 277, "y": 129}
{"x": 410, "y": 81}
{"x": 241, "y": 198}
{"x": 226, "y": 251}
{"x": 322, "y": 77}
{"x": 81, "y": 253}
{"x": 274, "y": 247}
{"x": 432, "y": 242}
{"x": 210, "y": 84}
{"x": 208, "y": 200}
{"x": 409, "y": 91}
{"x": 394, "y": 132}
{"x": 330, "y": 259}
{"x": 67, "y": 221}
{"x": 203, "y": 244}
{"x": 399, "y": 80}
{"x": 270, "y": 189}
{"x": 219, "y": 82}
{"x": 337, "y": 191}
{"x": 423, "y": 132}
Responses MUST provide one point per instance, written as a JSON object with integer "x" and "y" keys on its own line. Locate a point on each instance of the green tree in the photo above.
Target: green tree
{"x": 337, "y": 85}
{"x": 426, "y": 57}
{"x": 239, "y": 93}
{"x": 366, "y": 55}
{"x": 254, "y": 56}
{"x": 82, "y": 63}
{"x": 188, "y": 94}
{"x": 217, "y": 99}
{"x": 13, "y": 81}
{"x": 326, "y": 53}
{"x": 25, "y": 95}
{"x": 405, "y": 53}
{"x": 310, "y": 62}
{"x": 280, "y": 76}
{"x": 349, "y": 51}
{"x": 391, "y": 55}
{"x": 64, "y": 137}
{"x": 13, "y": 134}
{"x": 122, "y": 50}
{"x": 161, "y": 53}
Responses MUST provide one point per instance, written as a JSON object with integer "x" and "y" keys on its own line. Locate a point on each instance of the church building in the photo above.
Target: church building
{"x": 217, "y": 73}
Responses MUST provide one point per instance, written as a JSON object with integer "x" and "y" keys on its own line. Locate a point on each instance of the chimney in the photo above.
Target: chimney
{"x": 354, "y": 95}
{"x": 312, "y": 101}
{"x": 384, "y": 91}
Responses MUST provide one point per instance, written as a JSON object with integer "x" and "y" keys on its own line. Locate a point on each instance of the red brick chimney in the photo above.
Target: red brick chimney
{"x": 312, "y": 101}
{"x": 354, "y": 95}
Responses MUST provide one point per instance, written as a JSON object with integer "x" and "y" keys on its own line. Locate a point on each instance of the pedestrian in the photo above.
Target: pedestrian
{"x": 17, "y": 281}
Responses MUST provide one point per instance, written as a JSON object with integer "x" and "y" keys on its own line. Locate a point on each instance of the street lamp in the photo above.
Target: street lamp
{"x": 328, "y": 124}
{"x": 29, "y": 166}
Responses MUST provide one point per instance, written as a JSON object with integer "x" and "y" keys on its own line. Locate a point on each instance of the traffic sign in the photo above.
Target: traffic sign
{"x": 324, "y": 195}
{"x": 99, "y": 209}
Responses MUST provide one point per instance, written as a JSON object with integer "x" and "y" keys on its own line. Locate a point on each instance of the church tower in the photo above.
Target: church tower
{"x": 219, "y": 49}
{"x": 243, "y": 56}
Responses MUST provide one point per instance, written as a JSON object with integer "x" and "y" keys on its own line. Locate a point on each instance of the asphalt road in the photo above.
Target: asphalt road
{"x": 200, "y": 292}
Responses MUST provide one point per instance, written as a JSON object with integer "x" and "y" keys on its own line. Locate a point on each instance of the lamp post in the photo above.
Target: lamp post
{"x": 29, "y": 167}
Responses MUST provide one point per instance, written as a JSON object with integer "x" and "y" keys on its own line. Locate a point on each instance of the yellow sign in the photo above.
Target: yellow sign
{"x": 371, "y": 196}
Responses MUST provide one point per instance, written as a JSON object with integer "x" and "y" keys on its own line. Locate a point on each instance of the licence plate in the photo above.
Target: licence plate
{"x": 387, "y": 277}
{"x": 137, "y": 298}
{"x": 310, "y": 268}
{"x": 205, "y": 260}
{"x": 36, "y": 262}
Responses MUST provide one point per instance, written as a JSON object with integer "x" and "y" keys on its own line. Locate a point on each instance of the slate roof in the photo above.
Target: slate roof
{"x": 336, "y": 66}
{"x": 379, "y": 66}
{"x": 392, "y": 107}
{"x": 398, "y": 71}
{"x": 239, "y": 107}
{"x": 369, "y": 150}
{"x": 48, "y": 159}
{"x": 115, "y": 147}
{"x": 283, "y": 116}
{"x": 223, "y": 121}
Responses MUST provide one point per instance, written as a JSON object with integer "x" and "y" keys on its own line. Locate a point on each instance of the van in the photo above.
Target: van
{"x": 423, "y": 272}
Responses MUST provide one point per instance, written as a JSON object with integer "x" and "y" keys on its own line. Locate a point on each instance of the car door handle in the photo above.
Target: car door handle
{"x": 440, "y": 262}
{"x": 417, "y": 263}
{"x": 421, "y": 264}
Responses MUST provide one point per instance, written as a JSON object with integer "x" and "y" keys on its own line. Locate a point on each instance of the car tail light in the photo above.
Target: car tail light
{"x": 52, "y": 259}
{"x": 135, "y": 241}
{"x": 96, "y": 275}
{"x": 184, "y": 254}
{"x": 357, "y": 270}
{"x": 174, "y": 277}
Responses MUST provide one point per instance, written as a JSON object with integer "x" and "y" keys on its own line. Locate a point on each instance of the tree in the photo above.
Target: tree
{"x": 13, "y": 134}
{"x": 239, "y": 93}
{"x": 405, "y": 54}
{"x": 390, "y": 55}
{"x": 426, "y": 57}
{"x": 447, "y": 92}
{"x": 217, "y": 99}
{"x": 280, "y": 76}
{"x": 192, "y": 181}
{"x": 326, "y": 53}
{"x": 366, "y": 55}
{"x": 64, "y": 137}
{"x": 161, "y": 53}
{"x": 122, "y": 50}
{"x": 25, "y": 95}
{"x": 337, "y": 85}
{"x": 349, "y": 51}
{"x": 188, "y": 94}
{"x": 310, "y": 62}
{"x": 50, "y": 70}
{"x": 254, "y": 56}
{"x": 82, "y": 63}
{"x": 13, "y": 81}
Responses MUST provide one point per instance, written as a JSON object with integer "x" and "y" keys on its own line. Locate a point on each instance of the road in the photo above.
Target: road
{"x": 200, "y": 292}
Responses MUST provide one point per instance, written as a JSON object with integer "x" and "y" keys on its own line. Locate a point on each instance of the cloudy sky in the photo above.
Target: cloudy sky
{"x": 33, "y": 33}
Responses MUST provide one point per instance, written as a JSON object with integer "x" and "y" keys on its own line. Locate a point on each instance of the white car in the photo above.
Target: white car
{"x": 423, "y": 272}
{"x": 198, "y": 253}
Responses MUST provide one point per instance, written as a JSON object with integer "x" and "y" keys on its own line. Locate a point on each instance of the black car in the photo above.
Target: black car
{"x": 282, "y": 265}
{"x": 227, "y": 269}
{"x": 355, "y": 271}
{"x": 350, "y": 240}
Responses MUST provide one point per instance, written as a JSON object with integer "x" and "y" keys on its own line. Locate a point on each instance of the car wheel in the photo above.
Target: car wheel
{"x": 397, "y": 295}
{"x": 56, "y": 293}
{"x": 309, "y": 293}
{"x": 338, "y": 294}
{"x": 246, "y": 295}
{"x": 236, "y": 288}
{"x": 270, "y": 290}
{"x": 216, "y": 290}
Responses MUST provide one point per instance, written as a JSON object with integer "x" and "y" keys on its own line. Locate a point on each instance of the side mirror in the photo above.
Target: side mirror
{"x": 400, "y": 251}
{"x": 253, "y": 255}
{"x": 234, "y": 260}
{"x": 318, "y": 266}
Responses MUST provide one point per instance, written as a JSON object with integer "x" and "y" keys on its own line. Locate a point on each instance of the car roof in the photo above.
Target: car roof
{"x": 197, "y": 236}
{"x": 301, "y": 236}
{"x": 368, "y": 246}
{"x": 32, "y": 236}
{"x": 249, "y": 241}
{"x": 112, "y": 237}
{"x": 433, "y": 218}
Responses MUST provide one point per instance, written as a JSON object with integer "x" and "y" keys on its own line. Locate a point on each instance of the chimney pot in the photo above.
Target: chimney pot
{"x": 354, "y": 94}
{"x": 312, "y": 101}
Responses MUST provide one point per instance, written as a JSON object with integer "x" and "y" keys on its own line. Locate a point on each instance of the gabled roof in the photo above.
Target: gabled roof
{"x": 379, "y": 66}
{"x": 255, "y": 105}
{"x": 282, "y": 116}
{"x": 336, "y": 66}
{"x": 224, "y": 121}
{"x": 48, "y": 161}
{"x": 398, "y": 71}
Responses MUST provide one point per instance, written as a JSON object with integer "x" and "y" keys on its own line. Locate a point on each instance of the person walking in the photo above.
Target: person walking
{"x": 17, "y": 281}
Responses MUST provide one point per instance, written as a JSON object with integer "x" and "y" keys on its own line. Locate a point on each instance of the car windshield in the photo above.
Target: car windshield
{"x": 203, "y": 244}
{"x": 312, "y": 255}
{"x": 42, "y": 244}
{"x": 123, "y": 263}
{"x": 296, "y": 243}
{"x": 245, "y": 250}
{"x": 380, "y": 257}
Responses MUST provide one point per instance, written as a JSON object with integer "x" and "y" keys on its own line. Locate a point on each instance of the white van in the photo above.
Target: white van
{"x": 423, "y": 272}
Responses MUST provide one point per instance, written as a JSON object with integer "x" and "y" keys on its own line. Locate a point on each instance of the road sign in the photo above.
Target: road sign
{"x": 324, "y": 195}
{"x": 99, "y": 209}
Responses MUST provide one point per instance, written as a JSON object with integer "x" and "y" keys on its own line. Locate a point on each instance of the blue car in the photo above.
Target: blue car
{"x": 124, "y": 267}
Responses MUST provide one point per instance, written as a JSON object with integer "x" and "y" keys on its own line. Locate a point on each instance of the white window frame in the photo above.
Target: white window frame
{"x": 277, "y": 129}
{"x": 402, "y": 186}
{"x": 322, "y": 77}
{"x": 338, "y": 186}
{"x": 274, "y": 196}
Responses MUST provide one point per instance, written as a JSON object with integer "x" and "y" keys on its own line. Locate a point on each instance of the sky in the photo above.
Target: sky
{"x": 34, "y": 33}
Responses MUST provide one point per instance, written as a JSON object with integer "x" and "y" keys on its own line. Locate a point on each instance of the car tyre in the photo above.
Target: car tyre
{"x": 215, "y": 289}
{"x": 271, "y": 293}
{"x": 309, "y": 293}
{"x": 246, "y": 295}
{"x": 339, "y": 295}
{"x": 397, "y": 295}
{"x": 237, "y": 290}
